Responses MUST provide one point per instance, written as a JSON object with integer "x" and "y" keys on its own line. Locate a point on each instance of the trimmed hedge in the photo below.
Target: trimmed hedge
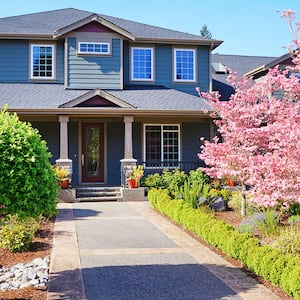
{"x": 281, "y": 269}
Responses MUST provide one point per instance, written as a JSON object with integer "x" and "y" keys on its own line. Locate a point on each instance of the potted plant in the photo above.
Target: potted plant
{"x": 62, "y": 176}
{"x": 135, "y": 177}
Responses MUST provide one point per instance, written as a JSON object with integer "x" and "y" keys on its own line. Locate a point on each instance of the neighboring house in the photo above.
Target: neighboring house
{"x": 106, "y": 92}
{"x": 241, "y": 64}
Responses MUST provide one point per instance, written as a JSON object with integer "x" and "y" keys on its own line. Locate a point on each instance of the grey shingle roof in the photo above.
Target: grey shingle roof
{"x": 52, "y": 96}
{"x": 238, "y": 63}
{"x": 50, "y": 21}
{"x": 20, "y": 95}
{"x": 161, "y": 99}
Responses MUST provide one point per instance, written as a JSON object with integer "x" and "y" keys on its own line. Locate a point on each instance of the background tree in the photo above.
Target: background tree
{"x": 204, "y": 32}
{"x": 261, "y": 136}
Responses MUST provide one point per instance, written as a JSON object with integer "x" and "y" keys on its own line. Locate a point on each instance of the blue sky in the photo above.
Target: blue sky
{"x": 247, "y": 27}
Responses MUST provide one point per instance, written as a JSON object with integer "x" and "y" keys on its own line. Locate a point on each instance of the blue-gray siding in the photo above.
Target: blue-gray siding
{"x": 191, "y": 134}
{"x": 164, "y": 69}
{"x": 73, "y": 150}
{"x": 89, "y": 72}
{"x": 50, "y": 133}
{"x": 14, "y": 61}
{"x": 115, "y": 151}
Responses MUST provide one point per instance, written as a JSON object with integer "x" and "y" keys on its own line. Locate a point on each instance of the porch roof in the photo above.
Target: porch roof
{"x": 32, "y": 97}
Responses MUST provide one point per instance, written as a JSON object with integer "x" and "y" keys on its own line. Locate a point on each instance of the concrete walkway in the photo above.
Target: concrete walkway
{"x": 125, "y": 250}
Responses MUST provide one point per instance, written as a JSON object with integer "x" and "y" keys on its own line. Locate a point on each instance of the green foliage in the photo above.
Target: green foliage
{"x": 273, "y": 264}
{"x": 294, "y": 209}
{"x": 289, "y": 240}
{"x": 270, "y": 226}
{"x": 173, "y": 180}
{"x": 235, "y": 203}
{"x": 17, "y": 235}
{"x": 246, "y": 228}
{"x": 197, "y": 176}
{"x": 28, "y": 186}
{"x": 294, "y": 219}
{"x": 153, "y": 181}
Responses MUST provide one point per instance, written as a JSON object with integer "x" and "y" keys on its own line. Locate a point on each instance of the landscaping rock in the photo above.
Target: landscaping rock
{"x": 219, "y": 204}
{"x": 34, "y": 273}
{"x": 254, "y": 219}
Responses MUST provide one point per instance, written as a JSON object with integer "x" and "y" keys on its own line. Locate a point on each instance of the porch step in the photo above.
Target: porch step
{"x": 92, "y": 194}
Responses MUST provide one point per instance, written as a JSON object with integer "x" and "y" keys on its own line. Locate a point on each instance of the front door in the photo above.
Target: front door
{"x": 92, "y": 158}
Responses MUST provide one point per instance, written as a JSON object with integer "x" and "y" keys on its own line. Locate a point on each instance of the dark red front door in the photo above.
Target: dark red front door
{"x": 92, "y": 159}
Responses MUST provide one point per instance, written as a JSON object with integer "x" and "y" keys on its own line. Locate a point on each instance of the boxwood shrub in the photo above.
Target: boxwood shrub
{"x": 281, "y": 269}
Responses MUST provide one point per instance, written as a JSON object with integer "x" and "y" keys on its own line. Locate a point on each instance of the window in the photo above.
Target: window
{"x": 142, "y": 63}
{"x": 161, "y": 145}
{"x": 93, "y": 48}
{"x": 184, "y": 68}
{"x": 42, "y": 61}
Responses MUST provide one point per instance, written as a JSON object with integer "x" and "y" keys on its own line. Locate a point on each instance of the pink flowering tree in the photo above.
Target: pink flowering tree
{"x": 260, "y": 130}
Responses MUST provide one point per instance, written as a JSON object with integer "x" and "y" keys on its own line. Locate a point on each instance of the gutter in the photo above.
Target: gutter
{"x": 111, "y": 112}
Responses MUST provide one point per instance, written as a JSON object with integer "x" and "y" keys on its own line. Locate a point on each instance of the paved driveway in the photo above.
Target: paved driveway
{"x": 126, "y": 250}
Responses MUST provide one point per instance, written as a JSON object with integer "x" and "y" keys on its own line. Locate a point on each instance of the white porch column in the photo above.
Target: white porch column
{"x": 128, "y": 162}
{"x": 128, "y": 120}
{"x": 63, "y": 145}
{"x": 64, "y": 160}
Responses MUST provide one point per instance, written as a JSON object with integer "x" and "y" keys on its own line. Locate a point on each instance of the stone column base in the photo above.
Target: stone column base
{"x": 137, "y": 194}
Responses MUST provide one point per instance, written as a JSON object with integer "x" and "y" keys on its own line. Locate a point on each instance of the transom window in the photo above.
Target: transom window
{"x": 42, "y": 61}
{"x": 184, "y": 68}
{"x": 141, "y": 63}
{"x": 161, "y": 145}
{"x": 94, "y": 48}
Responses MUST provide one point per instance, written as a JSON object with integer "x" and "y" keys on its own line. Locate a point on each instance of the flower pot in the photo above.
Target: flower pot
{"x": 64, "y": 184}
{"x": 230, "y": 182}
{"x": 132, "y": 183}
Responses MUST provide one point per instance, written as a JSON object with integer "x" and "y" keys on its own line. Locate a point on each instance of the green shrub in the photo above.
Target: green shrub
{"x": 294, "y": 219}
{"x": 294, "y": 209}
{"x": 17, "y": 235}
{"x": 289, "y": 240}
{"x": 270, "y": 226}
{"x": 153, "y": 181}
{"x": 28, "y": 186}
{"x": 273, "y": 264}
{"x": 197, "y": 176}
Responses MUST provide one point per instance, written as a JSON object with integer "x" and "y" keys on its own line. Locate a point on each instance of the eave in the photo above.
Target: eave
{"x": 116, "y": 112}
{"x": 25, "y": 36}
{"x": 211, "y": 43}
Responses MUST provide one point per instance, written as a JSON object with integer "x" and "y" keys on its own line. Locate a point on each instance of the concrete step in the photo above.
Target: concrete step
{"x": 98, "y": 194}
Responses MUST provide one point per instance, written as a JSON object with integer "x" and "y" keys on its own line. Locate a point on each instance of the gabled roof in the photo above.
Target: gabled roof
{"x": 51, "y": 24}
{"x": 284, "y": 60}
{"x": 238, "y": 63}
{"x": 33, "y": 97}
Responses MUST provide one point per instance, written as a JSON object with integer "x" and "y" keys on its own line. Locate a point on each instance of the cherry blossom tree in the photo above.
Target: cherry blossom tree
{"x": 260, "y": 130}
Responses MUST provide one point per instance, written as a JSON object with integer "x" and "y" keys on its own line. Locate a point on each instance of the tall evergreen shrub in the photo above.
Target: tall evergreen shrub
{"x": 28, "y": 186}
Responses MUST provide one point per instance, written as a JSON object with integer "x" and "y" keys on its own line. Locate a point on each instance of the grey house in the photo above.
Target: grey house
{"x": 105, "y": 92}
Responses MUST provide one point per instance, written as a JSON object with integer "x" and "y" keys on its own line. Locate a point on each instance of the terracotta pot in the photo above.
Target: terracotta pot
{"x": 64, "y": 184}
{"x": 132, "y": 183}
{"x": 230, "y": 182}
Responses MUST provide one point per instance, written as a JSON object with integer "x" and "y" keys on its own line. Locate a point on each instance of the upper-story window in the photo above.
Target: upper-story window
{"x": 93, "y": 48}
{"x": 184, "y": 65}
{"x": 141, "y": 63}
{"x": 42, "y": 61}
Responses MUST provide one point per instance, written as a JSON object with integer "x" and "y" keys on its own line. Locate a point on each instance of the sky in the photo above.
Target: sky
{"x": 246, "y": 27}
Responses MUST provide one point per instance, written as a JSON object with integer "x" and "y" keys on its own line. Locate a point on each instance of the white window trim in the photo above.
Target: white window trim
{"x": 53, "y": 62}
{"x": 152, "y": 64}
{"x": 174, "y": 65}
{"x": 95, "y": 53}
{"x": 162, "y": 144}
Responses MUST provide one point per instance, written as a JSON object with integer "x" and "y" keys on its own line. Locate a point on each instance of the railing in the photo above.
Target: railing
{"x": 158, "y": 167}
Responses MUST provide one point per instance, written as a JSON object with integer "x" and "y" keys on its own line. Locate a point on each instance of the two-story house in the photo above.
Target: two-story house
{"x": 105, "y": 91}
